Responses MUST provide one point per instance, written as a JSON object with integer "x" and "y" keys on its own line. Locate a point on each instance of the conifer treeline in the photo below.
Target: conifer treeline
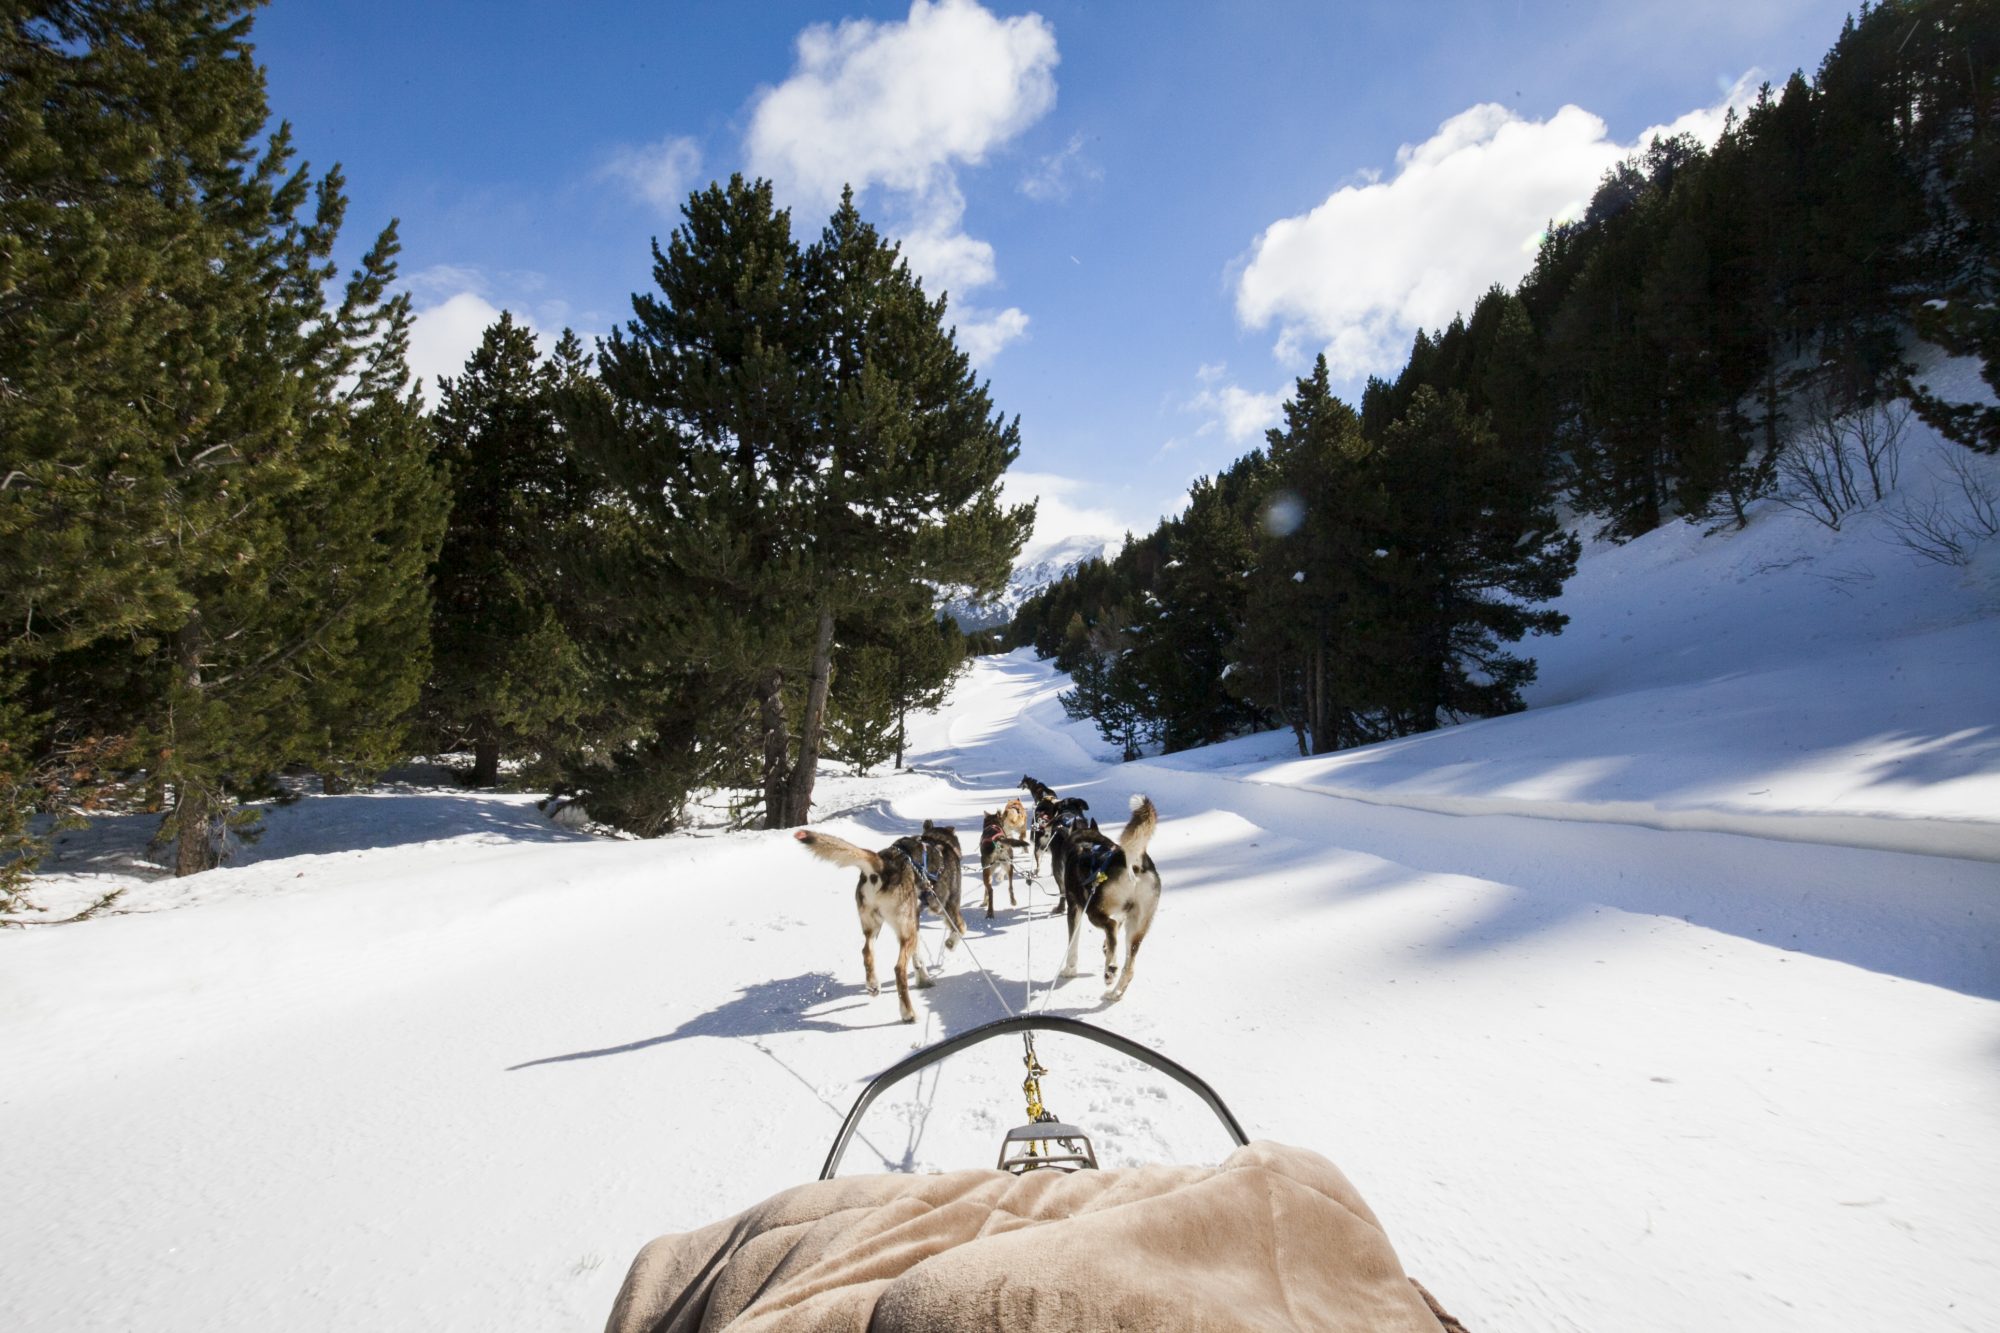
{"x": 1362, "y": 575}
{"x": 234, "y": 548}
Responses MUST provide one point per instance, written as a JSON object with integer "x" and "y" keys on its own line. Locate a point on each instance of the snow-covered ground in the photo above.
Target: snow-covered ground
{"x": 1673, "y": 1003}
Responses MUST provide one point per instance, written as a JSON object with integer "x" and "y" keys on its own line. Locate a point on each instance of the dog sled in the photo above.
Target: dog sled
{"x": 1271, "y": 1237}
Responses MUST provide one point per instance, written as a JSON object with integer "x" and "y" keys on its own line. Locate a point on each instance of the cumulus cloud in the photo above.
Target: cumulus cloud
{"x": 1377, "y": 260}
{"x": 1062, "y": 513}
{"x": 981, "y": 334}
{"x": 1239, "y": 415}
{"x": 897, "y": 104}
{"x": 661, "y": 174}
{"x": 454, "y": 306}
{"x": 445, "y": 334}
{"x": 895, "y": 109}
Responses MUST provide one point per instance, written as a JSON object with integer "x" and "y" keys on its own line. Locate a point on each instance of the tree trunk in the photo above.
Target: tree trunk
{"x": 901, "y": 739}
{"x": 777, "y": 746}
{"x": 199, "y": 846}
{"x": 485, "y": 762}
{"x": 804, "y": 773}
{"x": 197, "y": 814}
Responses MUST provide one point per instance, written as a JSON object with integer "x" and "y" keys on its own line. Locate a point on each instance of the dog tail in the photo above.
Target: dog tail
{"x": 839, "y": 851}
{"x": 1139, "y": 830}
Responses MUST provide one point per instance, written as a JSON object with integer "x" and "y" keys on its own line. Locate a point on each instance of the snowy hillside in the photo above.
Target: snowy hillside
{"x": 1038, "y": 567}
{"x": 1670, "y": 1004}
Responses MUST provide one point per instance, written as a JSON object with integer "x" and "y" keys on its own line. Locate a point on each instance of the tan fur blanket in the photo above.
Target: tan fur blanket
{"x": 1274, "y": 1238}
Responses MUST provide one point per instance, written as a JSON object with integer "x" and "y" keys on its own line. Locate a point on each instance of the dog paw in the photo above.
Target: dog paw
{"x": 874, "y": 989}
{"x": 1111, "y": 996}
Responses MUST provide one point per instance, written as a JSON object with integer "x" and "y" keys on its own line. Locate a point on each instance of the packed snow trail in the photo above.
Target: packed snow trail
{"x": 456, "y": 1083}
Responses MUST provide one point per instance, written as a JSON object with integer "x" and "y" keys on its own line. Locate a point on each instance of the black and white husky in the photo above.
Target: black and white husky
{"x": 1111, "y": 884}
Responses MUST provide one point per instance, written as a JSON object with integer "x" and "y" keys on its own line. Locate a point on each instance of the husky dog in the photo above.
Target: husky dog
{"x": 1043, "y": 793}
{"x": 939, "y": 861}
{"x": 1111, "y": 883}
{"x": 996, "y": 849}
{"x": 1067, "y": 812}
{"x": 1014, "y": 816}
{"x": 886, "y": 894}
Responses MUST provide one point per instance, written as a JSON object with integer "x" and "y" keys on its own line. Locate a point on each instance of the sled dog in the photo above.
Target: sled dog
{"x": 939, "y": 861}
{"x": 1014, "y": 816}
{"x": 1043, "y": 793}
{"x": 996, "y": 849}
{"x": 1066, "y": 812}
{"x": 886, "y": 894}
{"x": 1111, "y": 884}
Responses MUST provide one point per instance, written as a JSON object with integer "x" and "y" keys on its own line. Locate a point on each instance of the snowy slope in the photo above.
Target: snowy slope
{"x": 1039, "y": 566}
{"x": 1640, "y": 1010}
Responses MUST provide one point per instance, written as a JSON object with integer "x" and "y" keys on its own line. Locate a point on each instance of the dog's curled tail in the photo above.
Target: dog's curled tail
{"x": 1139, "y": 830}
{"x": 839, "y": 851}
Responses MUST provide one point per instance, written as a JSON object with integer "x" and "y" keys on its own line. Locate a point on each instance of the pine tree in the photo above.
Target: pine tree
{"x": 883, "y": 672}
{"x": 698, "y": 440}
{"x": 1314, "y": 596}
{"x": 1107, "y": 690}
{"x": 799, "y": 443}
{"x": 187, "y": 563}
{"x": 1470, "y": 547}
{"x": 1198, "y": 613}
{"x": 508, "y": 678}
{"x": 909, "y": 496}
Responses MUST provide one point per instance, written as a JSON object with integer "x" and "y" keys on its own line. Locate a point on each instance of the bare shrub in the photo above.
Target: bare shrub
{"x": 1841, "y": 460}
{"x": 1947, "y": 529}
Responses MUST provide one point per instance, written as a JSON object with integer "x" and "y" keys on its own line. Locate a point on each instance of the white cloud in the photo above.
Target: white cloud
{"x": 1051, "y": 179}
{"x": 444, "y": 335}
{"x": 1059, "y": 517}
{"x": 660, "y": 173}
{"x": 898, "y": 107}
{"x": 1237, "y": 414}
{"x": 455, "y": 307}
{"x": 938, "y": 249}
{"x": 981, "y": 334}
{"x": 1376, "y": 261}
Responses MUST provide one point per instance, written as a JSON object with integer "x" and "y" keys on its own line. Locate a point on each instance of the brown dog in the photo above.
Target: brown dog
{"x": 1014, "y": 816}
{"x": 887, "y": 894}
{"x": 996, "y": 849}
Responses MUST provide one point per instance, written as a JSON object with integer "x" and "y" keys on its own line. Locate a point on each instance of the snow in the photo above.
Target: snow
{"x": 1670, "y": 1003}
{"x": 1040, "y": 564}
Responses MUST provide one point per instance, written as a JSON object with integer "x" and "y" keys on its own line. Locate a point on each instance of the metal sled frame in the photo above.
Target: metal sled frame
{"x": 1000, "y": 1027}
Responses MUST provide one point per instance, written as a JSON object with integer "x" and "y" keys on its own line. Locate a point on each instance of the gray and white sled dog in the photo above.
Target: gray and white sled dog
{"x": 890, "y": 892}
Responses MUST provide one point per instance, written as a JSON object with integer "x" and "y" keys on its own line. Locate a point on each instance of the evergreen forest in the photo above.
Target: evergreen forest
{"x": 242, "y": 560}
{"x": 243, "y": 556}
{"x": 1723, "y": 323}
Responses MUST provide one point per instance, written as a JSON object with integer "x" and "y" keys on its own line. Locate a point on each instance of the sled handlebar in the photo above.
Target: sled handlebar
{"x": 1000, "y": 1027}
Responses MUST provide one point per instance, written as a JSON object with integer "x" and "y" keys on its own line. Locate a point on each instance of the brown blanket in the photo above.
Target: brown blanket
{"x": 1274, "y": 1238}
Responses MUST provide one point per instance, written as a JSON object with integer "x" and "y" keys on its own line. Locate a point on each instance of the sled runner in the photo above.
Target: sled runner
{"x": 1274, "y": 1237}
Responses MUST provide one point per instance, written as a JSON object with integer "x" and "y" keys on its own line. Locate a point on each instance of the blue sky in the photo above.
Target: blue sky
{"x": 1150, "y": 216}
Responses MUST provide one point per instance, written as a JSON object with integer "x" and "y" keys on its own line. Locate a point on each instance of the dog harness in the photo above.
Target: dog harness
{"x": 1095, "y": 861}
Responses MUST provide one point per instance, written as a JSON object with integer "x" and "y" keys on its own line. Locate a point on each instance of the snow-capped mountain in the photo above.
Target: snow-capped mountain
{"x": 1040, "y": 565}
